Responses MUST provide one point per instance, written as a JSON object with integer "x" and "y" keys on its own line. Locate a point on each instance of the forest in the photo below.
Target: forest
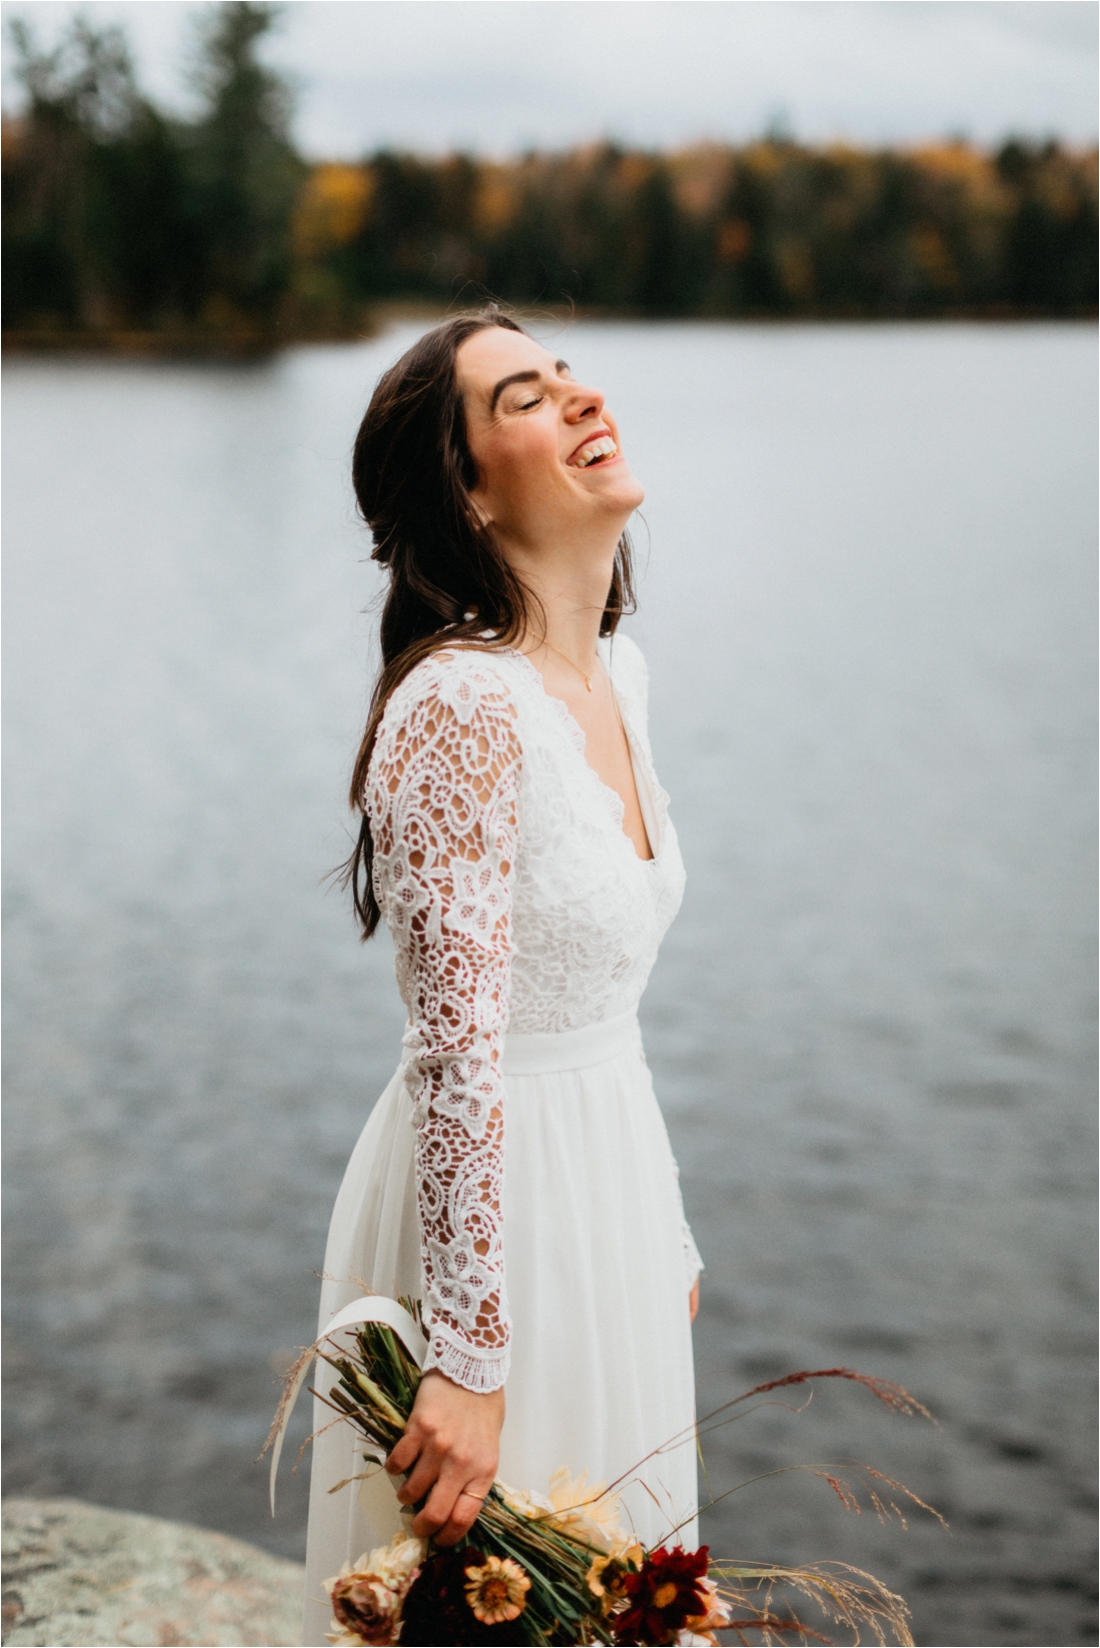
{"x": 125, "y": 226}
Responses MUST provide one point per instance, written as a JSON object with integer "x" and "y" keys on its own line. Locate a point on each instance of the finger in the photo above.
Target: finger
{"x": 421, "y": 1479}
{"x": 403, "y": 1454}
{"x": 464, "y": 1511}
{"x": 437, "y": 1511}
{"x": 467, "y": 1509}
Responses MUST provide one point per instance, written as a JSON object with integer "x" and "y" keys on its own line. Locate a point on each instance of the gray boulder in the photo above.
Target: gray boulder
{"x": 80, "y": 1576}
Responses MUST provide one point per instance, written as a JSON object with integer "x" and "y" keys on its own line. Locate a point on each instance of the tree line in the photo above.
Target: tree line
{"x": 120, "y": 219}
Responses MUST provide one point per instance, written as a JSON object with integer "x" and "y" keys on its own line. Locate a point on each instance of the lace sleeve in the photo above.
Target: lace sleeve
{"x": 442, "y": 800}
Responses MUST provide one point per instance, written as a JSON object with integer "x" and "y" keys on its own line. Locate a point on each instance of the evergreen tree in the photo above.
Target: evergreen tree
{"x": 243, "y": 171}
{"x": 117, "y": 217}
{"x": 59, "y": 240}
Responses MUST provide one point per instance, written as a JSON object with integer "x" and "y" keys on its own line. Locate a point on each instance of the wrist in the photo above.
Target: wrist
{"x": 438, "y": 1383}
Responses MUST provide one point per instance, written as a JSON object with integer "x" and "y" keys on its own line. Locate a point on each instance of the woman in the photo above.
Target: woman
{"x": 516, "y": 1174}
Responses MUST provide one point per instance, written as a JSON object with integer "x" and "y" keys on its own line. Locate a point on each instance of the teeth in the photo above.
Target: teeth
{"x": 603, "y": 448}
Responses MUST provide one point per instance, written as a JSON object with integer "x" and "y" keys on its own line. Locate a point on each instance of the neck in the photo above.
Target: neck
{"x": 570, "y": 586}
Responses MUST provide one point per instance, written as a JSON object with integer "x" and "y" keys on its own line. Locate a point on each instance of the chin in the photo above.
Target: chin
{"x": 621, "y": 490}
{"x": 630, "y": 494}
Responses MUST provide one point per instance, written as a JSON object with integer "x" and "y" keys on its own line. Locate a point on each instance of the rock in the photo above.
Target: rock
{"x": 78, "y": 1576}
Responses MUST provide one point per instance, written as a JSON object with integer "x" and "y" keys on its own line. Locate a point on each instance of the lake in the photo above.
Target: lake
{"x": 867, "y": 601}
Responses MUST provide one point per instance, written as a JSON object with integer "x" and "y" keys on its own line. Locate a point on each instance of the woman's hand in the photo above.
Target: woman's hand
{"x": 693, "y": 1301}
{"x": 451, "y": 1448}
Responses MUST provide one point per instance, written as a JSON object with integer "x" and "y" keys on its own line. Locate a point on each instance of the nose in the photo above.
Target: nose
{"x": 584, "y": 402}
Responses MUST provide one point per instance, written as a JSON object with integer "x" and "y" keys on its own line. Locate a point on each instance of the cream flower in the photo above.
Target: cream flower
{"x": 587, "y": 1511}
{"x": 366, "y": 1596}
{"x": 531, "y": 1505}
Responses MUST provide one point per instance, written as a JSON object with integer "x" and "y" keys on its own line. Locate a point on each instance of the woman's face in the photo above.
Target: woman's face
{"x": 547, "y": 451}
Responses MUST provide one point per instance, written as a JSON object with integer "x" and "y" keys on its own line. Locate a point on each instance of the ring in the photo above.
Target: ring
{"x": 466, "y": 1494}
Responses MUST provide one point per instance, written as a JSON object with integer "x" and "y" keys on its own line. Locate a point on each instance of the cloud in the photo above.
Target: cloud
{"x": 501, "y": 75}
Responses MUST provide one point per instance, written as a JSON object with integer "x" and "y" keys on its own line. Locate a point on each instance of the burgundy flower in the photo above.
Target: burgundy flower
{"x": 663, "y": 1596}
{"x": 437, "y": 1609}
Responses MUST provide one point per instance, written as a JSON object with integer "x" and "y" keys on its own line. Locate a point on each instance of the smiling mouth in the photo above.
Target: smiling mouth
{"x": 594, "y": 452}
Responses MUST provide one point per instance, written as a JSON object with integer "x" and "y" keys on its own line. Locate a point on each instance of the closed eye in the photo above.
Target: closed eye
{"x": 560, "y": 367}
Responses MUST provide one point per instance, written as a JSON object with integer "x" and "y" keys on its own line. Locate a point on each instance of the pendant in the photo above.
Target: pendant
{"x": 588, "y": 683}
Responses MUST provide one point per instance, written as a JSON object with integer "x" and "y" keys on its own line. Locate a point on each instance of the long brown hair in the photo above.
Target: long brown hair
{"x": 449, "y": 580}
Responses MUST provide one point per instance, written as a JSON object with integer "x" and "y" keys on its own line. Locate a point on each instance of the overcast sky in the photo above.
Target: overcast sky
{"x": 498, "y": 76}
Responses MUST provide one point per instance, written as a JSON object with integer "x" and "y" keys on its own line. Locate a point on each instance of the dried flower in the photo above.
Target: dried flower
{"x": 366, "y": 1596}
{"x": 584, "y": 1511}
{"x": 498, "y": 1591}
{"x": 581, "y": 1578}
{"x": 663, "y": 1596}
{"x": 437, "y": 1609}
{"x": 532, "y": 1505}
{"x": 714, "y": 1615}
{"x": 587, "y": 1512}
{"x": 606, "y": 1575}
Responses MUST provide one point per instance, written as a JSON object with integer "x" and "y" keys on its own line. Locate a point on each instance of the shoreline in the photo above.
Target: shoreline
{"x": 242, "y": 347}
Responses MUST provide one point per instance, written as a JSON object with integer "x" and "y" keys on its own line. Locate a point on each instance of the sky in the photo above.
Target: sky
{"x": 500, "y": 76}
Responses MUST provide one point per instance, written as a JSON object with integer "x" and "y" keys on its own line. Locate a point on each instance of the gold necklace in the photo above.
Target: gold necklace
{"x": 587, "y": 679}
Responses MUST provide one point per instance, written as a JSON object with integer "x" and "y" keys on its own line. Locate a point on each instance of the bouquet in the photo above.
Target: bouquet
{"x": 560, "y": 1568}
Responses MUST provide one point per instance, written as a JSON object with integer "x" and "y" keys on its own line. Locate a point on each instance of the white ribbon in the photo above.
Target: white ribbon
{"x": 372, "y": 1309}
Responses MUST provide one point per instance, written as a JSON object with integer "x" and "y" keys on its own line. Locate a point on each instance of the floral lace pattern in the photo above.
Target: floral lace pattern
{"x": 443, "y": 785}
{"x": 516, "y": 901}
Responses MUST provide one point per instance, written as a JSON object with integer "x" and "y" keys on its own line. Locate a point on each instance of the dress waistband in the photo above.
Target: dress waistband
{"x": 540, "y": 1052}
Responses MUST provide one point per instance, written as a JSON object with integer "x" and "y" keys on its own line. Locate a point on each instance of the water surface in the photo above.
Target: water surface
{"x": 867, "y": 605}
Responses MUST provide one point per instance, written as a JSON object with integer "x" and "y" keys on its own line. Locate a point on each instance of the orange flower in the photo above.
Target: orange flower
{"x": 498, "y": 1591}
{"x": 605, "y": 1577}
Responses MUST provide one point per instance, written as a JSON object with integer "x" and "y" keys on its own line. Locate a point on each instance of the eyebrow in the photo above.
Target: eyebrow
{"x": 521, "y": 377}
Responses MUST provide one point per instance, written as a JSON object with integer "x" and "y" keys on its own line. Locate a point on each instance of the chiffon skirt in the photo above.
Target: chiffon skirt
{"x": 597, "y": 1281}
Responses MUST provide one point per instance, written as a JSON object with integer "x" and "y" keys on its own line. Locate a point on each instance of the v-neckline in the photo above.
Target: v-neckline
{"x": 580, "y": 744}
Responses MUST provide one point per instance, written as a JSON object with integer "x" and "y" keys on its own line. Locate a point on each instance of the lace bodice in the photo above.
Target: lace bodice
{"x": 516, "y": 902}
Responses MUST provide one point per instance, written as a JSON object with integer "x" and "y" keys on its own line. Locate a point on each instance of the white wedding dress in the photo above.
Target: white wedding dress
{"x": 516, "y": 1173}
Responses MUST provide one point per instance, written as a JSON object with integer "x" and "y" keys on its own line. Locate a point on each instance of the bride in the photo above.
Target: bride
{"x": 516, "y": 1174}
